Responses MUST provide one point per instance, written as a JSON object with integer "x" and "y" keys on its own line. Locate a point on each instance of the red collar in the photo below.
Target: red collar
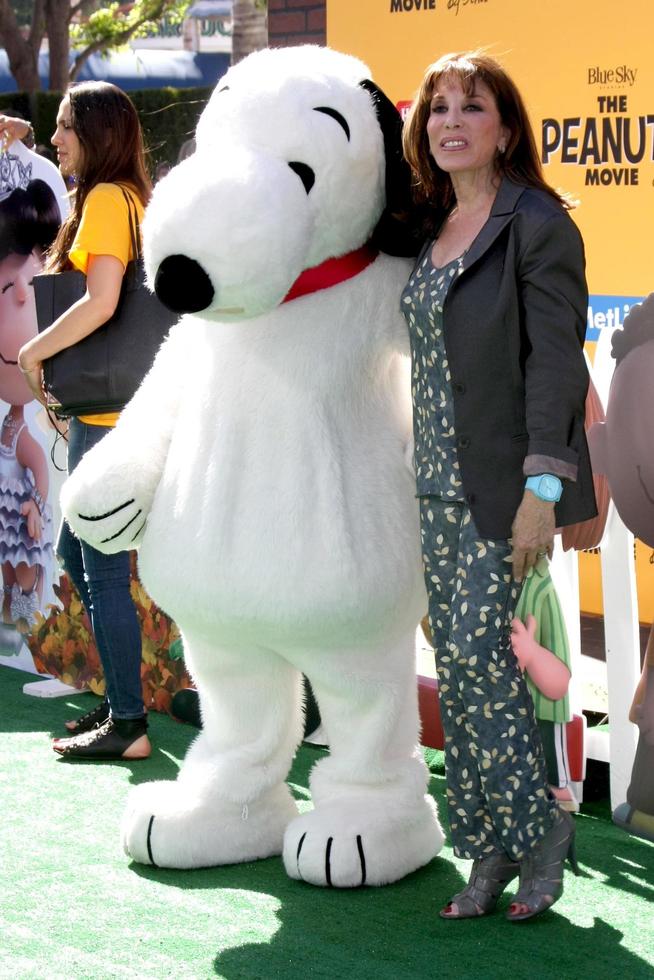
{"x": 331, "y": 272}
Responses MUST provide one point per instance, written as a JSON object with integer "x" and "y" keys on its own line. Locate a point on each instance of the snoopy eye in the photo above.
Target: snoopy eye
{"x": 335, "y": 114}
{"x": 305, "y": 174}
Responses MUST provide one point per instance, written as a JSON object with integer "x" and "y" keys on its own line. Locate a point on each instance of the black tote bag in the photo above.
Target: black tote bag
{"x": 102, "y": 372}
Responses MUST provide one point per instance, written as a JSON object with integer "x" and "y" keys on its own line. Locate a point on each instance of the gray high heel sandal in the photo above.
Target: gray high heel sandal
{"x": 488, "y": 879}
{"x": 541, "y": 872}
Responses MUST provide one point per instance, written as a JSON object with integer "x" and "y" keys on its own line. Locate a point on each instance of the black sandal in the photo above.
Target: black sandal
{"x": 111, "y": 740}
{"x": 541, "y": 872}
{"x": 488, "y": 879}
{"x": 92, "y": 719}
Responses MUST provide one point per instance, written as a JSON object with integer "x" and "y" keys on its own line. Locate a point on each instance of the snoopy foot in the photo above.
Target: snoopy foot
{"x": 349, "y": 843}
{"x": 165, "y": 825}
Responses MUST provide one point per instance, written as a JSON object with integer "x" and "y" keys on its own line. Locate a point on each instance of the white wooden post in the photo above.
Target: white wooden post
{"x": 622, "y": 641}
{"x": 620, "y": 600}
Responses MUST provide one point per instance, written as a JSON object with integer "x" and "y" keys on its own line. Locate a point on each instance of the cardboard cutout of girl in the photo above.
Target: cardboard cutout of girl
{"x": 623, "y": 449}
{"x": 29, "y": 218}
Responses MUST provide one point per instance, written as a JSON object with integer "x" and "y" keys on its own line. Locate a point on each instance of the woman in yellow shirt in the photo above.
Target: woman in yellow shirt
{"x": 100, "y": 145}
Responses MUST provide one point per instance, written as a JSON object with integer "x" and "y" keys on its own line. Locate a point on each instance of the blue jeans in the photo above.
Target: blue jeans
{"x": 103, "y": 584}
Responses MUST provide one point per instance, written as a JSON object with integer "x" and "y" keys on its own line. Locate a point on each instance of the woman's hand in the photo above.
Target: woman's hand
{"x": 13, "y": 129}
{"x": 33, "y": 374}
{"x": 532, "y": 533}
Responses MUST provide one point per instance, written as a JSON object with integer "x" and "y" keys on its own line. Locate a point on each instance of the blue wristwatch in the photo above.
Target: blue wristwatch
{"x": 545, "y": 486}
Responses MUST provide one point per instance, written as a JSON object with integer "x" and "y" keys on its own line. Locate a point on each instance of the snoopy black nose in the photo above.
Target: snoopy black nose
{"x": 182, "y": 285}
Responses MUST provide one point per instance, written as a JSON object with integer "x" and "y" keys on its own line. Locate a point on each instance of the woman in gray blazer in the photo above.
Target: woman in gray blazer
{"x": 496, "y": 311}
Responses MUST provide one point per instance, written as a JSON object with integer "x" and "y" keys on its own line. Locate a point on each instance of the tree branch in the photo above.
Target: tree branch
{"x": 22, "y": 54}
{"x": 37, "y": 29}
{"x": 81, "y": 7}
{"x": 80, "y": 60}
{"x": 8, "y": 21}
{"x": 154, "y": 12}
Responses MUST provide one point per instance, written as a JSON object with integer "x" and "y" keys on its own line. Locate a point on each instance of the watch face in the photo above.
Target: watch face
{"x": 549, "y": 487}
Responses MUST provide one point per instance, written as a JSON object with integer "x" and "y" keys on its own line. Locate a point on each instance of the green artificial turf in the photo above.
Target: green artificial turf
{"x": 74, "y": 907}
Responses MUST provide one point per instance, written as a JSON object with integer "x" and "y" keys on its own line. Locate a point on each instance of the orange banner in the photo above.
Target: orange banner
{"x": 586, "y": 72}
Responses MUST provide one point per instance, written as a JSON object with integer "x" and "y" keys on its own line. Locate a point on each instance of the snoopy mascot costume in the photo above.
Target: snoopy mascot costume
{"x": 261, "y": 471}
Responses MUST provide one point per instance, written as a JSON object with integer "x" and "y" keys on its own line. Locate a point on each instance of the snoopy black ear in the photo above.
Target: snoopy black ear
{"x": 398, "y": 174}
{"x": 392, "y": 234}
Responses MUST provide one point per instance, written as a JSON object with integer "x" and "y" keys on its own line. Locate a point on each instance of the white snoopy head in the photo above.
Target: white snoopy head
{"x": 291, "y": 168}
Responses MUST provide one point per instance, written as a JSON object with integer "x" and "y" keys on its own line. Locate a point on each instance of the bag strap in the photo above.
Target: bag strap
{"x": 134, "y": 226}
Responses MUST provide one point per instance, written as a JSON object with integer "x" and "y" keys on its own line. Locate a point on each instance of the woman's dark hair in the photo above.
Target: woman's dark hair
{"x": 111, "y": 151}
{"x": 29, "y": 219}
{"x": 432, "y": 187}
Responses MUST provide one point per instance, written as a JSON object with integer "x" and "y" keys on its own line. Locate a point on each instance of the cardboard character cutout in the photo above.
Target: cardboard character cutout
{"x": 30, "y": 214}
{"x": 540, "y": 643}
{"x": 623, "y": 449}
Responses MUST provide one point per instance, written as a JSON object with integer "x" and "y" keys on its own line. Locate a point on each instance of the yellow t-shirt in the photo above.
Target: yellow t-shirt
{"x": 104, "y": 230}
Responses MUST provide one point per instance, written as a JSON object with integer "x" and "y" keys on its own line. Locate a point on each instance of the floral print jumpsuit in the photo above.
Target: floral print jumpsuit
{"x": 497, "y": 793}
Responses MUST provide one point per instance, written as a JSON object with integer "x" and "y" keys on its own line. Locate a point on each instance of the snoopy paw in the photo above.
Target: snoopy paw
{"x": 169, "y": 826}
{"x": 346, "y": 845}
{"x": 109, "y": 527}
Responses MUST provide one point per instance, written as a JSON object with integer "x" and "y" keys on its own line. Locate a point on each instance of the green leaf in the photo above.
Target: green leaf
{"x": 176, "y": 651}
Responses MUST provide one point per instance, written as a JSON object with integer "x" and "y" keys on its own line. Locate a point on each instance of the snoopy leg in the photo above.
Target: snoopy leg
{"x": 373, "y": 821}
{"x": 230, "y": 802}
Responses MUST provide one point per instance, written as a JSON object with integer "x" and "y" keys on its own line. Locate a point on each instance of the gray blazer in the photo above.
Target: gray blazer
{"x": 514, "y": 326}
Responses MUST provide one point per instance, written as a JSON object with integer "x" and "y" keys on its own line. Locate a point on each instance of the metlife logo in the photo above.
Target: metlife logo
{"x": 607, "y": 312}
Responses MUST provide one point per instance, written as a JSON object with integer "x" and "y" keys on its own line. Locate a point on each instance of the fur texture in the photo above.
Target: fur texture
{"x": 261, "y": 470}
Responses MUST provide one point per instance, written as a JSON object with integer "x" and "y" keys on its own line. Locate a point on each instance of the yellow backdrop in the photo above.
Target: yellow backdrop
{"x": 586, "y": 71}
